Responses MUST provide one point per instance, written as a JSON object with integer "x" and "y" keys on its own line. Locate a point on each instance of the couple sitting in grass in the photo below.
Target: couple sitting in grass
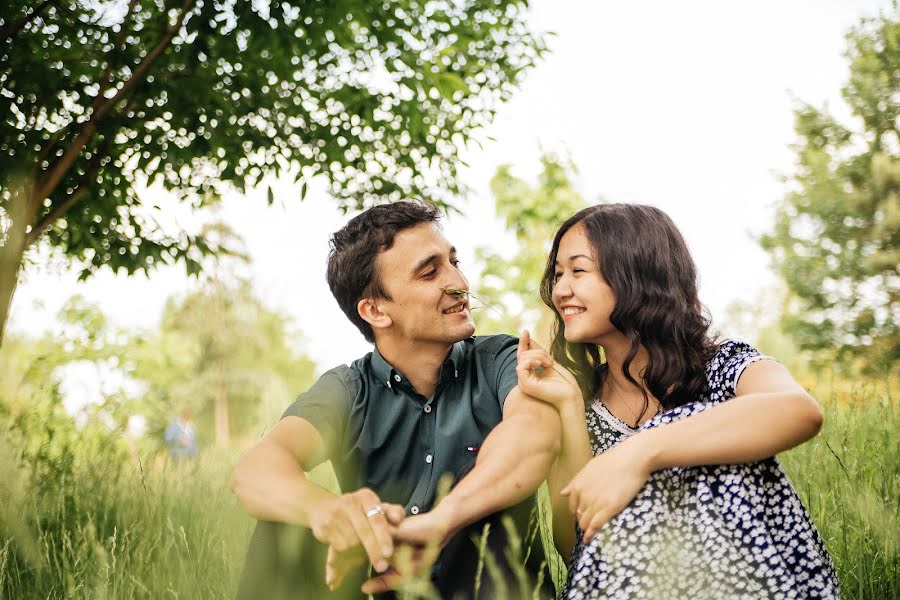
{"x": 658, "y": 486}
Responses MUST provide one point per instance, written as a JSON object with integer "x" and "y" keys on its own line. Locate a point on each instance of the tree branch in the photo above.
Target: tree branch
{"x": 11, "y": 30}
{"x": 72, "y": 199}
{"x": 56, "y": 173}
{"x": 67, "y": 203}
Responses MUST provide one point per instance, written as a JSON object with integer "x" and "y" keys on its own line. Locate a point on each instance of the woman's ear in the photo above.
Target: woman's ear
{"x": 371, "y": 313}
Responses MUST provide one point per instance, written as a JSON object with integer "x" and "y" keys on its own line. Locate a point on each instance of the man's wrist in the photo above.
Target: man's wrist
{"x": 450, "y": 511}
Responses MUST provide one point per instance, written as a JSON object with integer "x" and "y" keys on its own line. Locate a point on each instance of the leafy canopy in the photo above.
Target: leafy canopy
{"x": 199, "y": 95}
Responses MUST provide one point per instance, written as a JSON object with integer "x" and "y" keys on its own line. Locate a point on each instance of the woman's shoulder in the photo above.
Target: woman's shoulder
{"x": 724, "y": 369}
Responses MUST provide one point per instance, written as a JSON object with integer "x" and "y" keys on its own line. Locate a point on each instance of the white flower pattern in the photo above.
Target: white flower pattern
{"x": 725, "y": 531}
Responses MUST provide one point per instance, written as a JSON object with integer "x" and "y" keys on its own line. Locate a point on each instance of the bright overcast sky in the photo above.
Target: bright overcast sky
{"x": 683, "y": 105}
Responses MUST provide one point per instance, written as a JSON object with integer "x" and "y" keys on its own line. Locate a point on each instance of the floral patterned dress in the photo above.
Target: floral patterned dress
{"x": 726, "y": 531}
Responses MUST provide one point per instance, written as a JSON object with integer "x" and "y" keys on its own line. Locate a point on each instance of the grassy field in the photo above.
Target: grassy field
{"x": 82, "y": 517}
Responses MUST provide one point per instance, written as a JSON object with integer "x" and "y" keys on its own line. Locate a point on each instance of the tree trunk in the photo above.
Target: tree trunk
{"x": 21, "y": 214}
{"x": 221, "y": 414}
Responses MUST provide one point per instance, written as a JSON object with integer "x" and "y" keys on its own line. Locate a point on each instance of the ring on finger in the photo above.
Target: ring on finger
{"x": 375, "y": 510}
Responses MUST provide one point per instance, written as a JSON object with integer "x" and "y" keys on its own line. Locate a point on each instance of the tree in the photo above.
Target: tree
{"x": 219, "y": 352}
{"x": 199, "y": 95}
{"x": 509, "y": 286}
{"x": 836, "y": 241}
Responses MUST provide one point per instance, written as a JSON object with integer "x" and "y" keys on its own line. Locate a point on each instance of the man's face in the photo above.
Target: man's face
{"x": 416, "y": 272}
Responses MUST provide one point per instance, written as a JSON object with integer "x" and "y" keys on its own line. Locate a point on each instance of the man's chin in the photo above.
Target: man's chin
{"x": 462, "y": 332}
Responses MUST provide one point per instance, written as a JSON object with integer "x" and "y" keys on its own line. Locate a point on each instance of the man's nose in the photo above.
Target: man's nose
{"x": 458, "y": 280}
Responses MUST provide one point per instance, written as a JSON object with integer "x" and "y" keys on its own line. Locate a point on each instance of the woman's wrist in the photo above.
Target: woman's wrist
{"x": 644, "y": 450}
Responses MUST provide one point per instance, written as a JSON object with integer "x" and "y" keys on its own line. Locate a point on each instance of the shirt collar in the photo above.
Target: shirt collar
{"x": 391, "y": 377}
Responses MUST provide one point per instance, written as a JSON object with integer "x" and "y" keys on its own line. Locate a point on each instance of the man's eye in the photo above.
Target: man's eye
{"x": 430, "y": 274}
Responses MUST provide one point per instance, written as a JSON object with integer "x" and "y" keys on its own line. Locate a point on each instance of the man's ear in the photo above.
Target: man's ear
{"x": 370, "y": 311}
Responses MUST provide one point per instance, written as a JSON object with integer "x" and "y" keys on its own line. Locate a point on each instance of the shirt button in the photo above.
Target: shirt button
{"x": 427, "y": 408}
{"x": 428, "y": 459}
{"x": 414, "y": 510}
{"x": 397, "y": 378}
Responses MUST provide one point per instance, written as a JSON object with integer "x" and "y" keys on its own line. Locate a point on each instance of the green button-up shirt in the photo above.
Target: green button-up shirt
{"x": 382, "y": 434}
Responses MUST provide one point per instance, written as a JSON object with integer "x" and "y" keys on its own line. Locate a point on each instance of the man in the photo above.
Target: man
{"x": 429, "y": 400}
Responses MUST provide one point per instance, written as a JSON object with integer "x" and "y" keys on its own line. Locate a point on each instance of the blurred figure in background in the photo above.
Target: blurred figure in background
{"x": 181, "y": 437}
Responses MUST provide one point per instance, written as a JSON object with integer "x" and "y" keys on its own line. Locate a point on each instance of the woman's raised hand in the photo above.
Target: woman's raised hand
{"x": 541, "y": 377}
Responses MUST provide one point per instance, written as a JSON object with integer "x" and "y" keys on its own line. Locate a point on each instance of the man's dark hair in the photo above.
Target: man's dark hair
{"x": 352, "y": 260}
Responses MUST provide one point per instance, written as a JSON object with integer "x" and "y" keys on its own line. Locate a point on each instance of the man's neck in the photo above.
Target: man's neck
{"x": 419, "y": 362}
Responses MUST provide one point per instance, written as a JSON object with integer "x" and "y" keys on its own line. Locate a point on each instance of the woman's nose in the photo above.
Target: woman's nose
{"x": 561, "y": 289}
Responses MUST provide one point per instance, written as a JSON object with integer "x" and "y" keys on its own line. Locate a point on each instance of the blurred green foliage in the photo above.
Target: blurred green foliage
{"x": 224, "y": 357}
{"x": 509, "y": 286}
{"x": 836, "y": 240}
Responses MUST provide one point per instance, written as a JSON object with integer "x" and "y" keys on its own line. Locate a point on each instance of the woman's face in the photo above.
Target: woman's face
{"x": 580, "y": 294}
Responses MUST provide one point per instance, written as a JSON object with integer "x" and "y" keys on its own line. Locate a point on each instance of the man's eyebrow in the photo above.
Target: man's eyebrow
{"x": 424, "y": 262}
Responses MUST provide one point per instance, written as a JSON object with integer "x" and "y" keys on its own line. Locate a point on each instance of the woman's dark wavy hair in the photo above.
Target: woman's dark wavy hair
{"x": 644, "y": 259}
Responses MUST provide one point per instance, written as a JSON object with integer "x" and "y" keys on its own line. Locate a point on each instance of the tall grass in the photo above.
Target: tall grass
{"x": 82, "y": 517}
{"x": 849, "y": 479}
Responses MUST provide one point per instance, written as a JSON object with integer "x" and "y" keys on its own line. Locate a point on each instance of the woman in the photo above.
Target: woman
{"x": 633, "y": 504}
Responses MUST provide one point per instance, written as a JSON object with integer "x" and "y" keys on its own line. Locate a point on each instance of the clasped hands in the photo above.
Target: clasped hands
{"x": 358, "y": 528}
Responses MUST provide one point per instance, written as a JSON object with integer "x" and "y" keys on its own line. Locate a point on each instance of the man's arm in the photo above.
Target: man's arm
{"x": 270, "y": 485}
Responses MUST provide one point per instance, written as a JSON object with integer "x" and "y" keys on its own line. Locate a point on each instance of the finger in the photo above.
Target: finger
{"x": 338, "y": 564}
{"x": 395, "y": 513}
{"x": 381, "y": 528}
{"x": 523, "y": 342}
{"x": 538, "y": 356}
{"x": 534, "y": 345}
{"x": 363, "y": 528}
{"x": 330, "y": 568}
{"x": 594, "y": 527}
{"x": 574, "y": 499}
{"x": 383, "y": 583}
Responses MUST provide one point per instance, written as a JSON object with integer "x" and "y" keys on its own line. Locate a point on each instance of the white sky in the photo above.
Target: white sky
{"x": 683, "y": 105}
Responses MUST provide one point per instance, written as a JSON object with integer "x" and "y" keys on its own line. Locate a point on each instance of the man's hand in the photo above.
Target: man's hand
{"x": 340, "y": 562}
{"x": 350, "y": 520}
{"x": 419, "y": 541}
{"x": 606, "y": 485}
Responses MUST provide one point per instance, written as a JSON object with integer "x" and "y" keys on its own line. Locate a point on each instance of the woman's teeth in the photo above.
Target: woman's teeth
{"x": 572, "y": 311}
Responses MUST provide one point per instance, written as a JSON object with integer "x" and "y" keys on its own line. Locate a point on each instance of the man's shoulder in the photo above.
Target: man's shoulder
{"x": 493, "y": 344}
{"x": 343, "y": 375}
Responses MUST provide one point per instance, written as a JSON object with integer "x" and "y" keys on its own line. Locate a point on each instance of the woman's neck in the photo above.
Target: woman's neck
{"x": 620, "y": 395}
